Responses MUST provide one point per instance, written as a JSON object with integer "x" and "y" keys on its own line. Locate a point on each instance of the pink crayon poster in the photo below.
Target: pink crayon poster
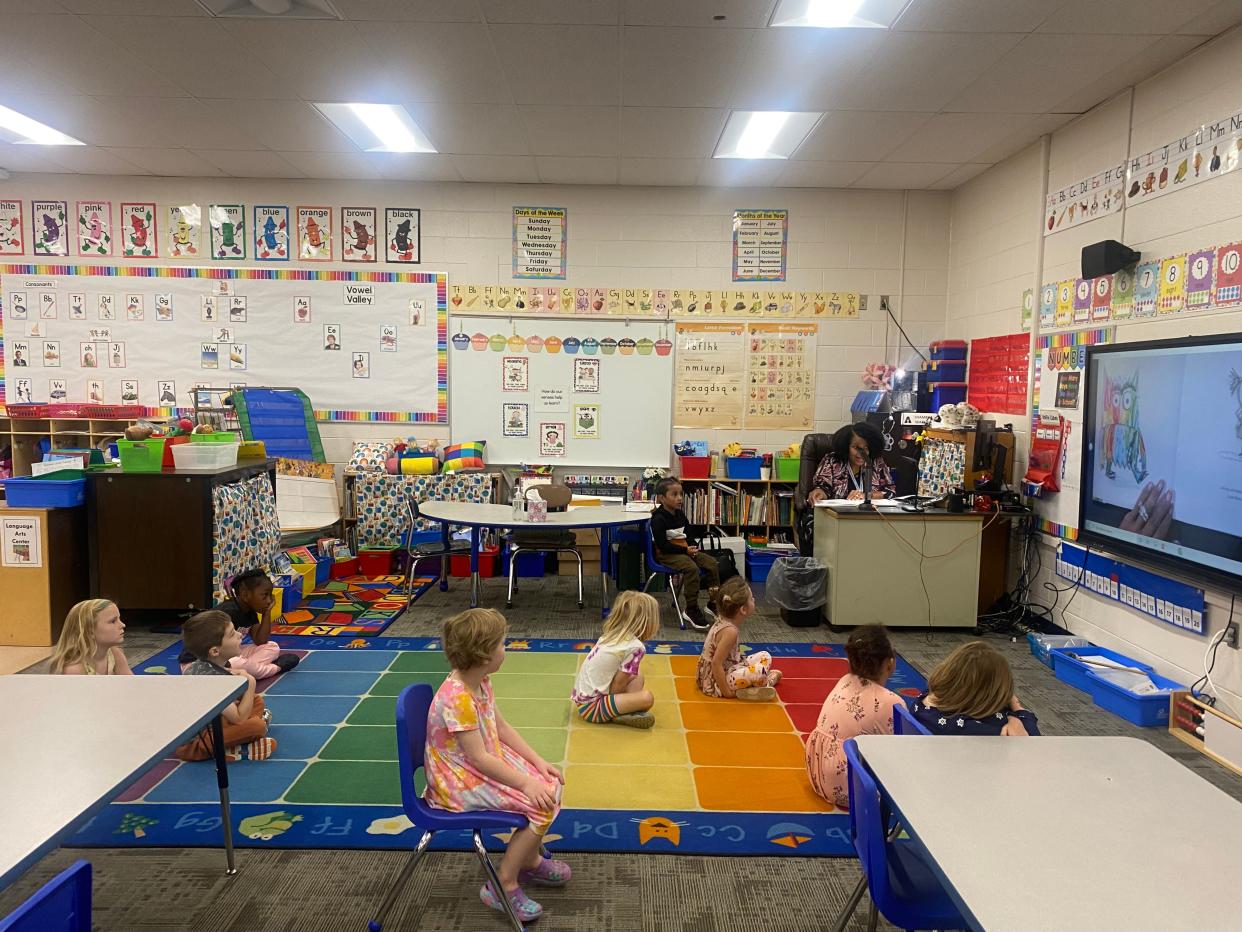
{"x": 139, "y": 239}
{"x": 94, "y": 220}
{"x": 12, "y": 229}
{"x": 271, "y": 234}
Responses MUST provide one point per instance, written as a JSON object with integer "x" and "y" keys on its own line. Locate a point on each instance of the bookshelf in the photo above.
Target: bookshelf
{"x": 23, "y": 434}
{"x": 741, "y": 506}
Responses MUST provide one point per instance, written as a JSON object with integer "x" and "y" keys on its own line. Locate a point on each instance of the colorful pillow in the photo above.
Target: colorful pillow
{"x": 459, "y": 457}
{"x": 418, "y": 464}
{"x": 370, "y": 456}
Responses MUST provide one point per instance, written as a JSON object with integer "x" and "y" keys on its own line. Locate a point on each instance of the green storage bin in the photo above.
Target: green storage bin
{"x": 141, "y": 455}
{"x": 220, "y": 436}
{"x": 787, "y": 468}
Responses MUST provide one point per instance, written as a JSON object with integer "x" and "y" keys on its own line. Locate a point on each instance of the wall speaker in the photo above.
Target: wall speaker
{"x": 1106, "y": 258}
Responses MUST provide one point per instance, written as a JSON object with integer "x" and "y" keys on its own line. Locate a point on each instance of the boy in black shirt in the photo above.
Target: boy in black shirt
{"x": 674, "y": 550}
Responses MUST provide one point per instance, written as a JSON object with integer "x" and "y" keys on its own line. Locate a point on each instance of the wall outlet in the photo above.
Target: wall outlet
{"x": 1231, "y": 635}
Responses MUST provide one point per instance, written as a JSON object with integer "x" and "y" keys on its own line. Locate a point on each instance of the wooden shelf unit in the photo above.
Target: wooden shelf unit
{"x": 767, "y": 489}
{"x": 24, "y": 434}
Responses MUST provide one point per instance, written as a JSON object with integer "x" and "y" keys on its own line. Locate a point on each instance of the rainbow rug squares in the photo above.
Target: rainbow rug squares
{"x": 713, "y": 776}
{"x": 362, "y": 606}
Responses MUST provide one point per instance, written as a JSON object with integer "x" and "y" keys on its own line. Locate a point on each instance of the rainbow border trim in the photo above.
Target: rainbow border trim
{"x": 439, "y": 279}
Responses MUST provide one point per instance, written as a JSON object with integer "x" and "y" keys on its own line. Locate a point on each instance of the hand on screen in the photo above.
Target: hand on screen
{"x": 1152, "y": 514}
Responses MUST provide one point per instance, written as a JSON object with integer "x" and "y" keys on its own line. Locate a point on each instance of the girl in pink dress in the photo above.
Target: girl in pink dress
{"x": 723, "y": 673}
{"x": 858, "y": 705}
{"x": 476, "y": 760}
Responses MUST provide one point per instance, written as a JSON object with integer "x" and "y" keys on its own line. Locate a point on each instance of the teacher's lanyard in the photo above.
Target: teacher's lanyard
{"x": 857, "y": 480}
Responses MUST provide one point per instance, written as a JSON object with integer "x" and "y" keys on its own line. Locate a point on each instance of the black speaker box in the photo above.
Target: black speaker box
{"x": 1106, "y": 258}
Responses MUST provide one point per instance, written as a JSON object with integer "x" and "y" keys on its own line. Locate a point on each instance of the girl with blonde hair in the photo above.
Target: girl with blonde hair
{"x": 90, "y": 642}
{"x": 971, "y": 693}
{"x": 609, "y": 687}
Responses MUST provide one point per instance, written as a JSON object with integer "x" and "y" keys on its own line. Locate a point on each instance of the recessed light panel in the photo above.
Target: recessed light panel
{"x": 764, "y": 134}
{"x": 378, "y": 127}
{"x": 838, "y": 14}
{"x": 18, "y": 128}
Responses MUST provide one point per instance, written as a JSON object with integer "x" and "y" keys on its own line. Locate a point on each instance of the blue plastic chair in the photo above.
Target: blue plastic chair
{"x": 903, "y": 886}
{"x": 656, "y": 568}
{"x": 904, "y": 722}
{"x": 412, "y": 707}
{"x": 63, "y": 904}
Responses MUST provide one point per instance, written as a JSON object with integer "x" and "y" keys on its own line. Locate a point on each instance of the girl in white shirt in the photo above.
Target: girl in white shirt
{"x": 609, "y": 687}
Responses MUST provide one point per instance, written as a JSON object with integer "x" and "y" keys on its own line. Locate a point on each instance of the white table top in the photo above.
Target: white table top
{"x": 481, "y": 515}
{"x": 72, "y": 743}
{"x": 1066, "y": 833}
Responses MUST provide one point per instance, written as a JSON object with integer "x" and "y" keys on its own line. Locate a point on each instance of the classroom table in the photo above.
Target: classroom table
{"x": 1064, "y": 833}
{"x": 74, "y": 742}
{"x": 477, "y": 517}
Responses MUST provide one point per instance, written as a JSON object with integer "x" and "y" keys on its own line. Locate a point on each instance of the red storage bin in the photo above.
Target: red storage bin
{"x": 169, "y": 462}
{"x": 695, "y": 467}
{"x": 460, "y": 565}
{"x": 343, "y": 568}
{"x": 375, "y": 562}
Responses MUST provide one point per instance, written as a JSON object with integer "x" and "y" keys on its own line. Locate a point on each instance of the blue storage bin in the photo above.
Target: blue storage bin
{"x": 530, "y": 564}
{"x": 947, "y": 349}
{"x": 1076, "y": 673}
{"x": 947, "y": 393}
{"x": 939, "y": 371}
{"x": 65, "y": 488}
{"x": 1041, "y": 645}
{"x": 743, "y": 467}
{"x": 1144, "y": 711}
{"x": 323, "y": 570}
{"x": 759, "y": 563}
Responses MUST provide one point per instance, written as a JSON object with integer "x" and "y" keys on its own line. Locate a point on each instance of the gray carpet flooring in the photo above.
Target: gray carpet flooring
{"x": 307, "y": 891}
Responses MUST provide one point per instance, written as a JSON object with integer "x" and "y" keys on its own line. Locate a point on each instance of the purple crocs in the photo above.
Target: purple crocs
{"x": 527, "y": 910}
{"x": 549, "y": 873}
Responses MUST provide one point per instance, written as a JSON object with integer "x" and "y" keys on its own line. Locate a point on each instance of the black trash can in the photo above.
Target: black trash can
{"x": 798, "y": 586}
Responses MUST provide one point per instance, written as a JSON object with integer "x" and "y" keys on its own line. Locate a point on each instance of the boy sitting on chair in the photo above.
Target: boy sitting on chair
{"x": 674, "y": 550}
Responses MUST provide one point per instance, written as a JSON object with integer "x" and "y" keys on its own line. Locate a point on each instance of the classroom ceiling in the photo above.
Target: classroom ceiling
{"x": 631, "y": 92}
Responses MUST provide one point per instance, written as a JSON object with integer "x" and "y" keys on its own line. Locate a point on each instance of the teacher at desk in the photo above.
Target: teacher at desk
{"x": 855, "y": 447}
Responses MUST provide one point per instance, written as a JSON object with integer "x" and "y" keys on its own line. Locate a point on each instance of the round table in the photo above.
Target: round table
{"x": 604, "y": 518}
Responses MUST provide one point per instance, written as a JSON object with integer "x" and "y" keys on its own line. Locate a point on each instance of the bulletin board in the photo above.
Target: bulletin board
{"x": 364, "y": 346}
{"x": 606, "y": 386}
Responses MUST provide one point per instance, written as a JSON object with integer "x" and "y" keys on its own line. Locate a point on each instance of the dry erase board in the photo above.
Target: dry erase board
{"x": 362, "y": 345}
{"x": 565, "y": 392}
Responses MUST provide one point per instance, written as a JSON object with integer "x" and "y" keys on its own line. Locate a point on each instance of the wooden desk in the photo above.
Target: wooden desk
{"x": 876, "y": 575}
{"x": 1064, "y": 833}
{"x": 34, "y": 600}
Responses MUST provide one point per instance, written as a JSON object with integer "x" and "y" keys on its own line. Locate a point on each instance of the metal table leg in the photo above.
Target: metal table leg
{"x": 475, "y": 534}
{"x": 222, "y": 781}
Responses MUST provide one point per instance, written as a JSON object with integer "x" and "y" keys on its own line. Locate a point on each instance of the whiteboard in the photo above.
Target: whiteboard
{"x": 634, "y": 396}
{"x": 149, "y": 335}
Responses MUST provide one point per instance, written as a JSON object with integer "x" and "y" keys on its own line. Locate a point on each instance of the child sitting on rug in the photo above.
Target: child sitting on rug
{"x": 609, "y": 687}
{"x": 250, "y": 608}
{"x": 213, "y": 640}
{"x": 858, "y": 705}
{"x": 971, "y": 693}
{"x": 722, "y": 671}
{"x": 476, "y": 760}
{"x": 90, "y": 642}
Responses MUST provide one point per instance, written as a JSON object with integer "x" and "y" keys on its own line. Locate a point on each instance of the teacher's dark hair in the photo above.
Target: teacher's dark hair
{"x": 867, "y": 432}
{"x": 868, "y": 649}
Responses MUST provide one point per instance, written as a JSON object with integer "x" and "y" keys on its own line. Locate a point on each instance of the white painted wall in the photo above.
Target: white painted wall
{"x": 846, "y": 240}
{"x": 995, "y": 227}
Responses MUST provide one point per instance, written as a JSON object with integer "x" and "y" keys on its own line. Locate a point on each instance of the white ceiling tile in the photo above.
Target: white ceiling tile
{"x": 554, "y": 12}
{"x": 1154, "y": 58}
{"x": 1123, "y": 17}
{"x": 414, "y": 166}
{"x": 904, "y": 175}
{"x": 670, "y": 132}
{"x": 505, "y": 169}
{"x": 192, "y": 53}
{"x": 1032, "y": 127}
{"x": 959, "y": 137}
{"x": 163, "y": 8}
{"x": 1023, "y": 81}
{"x": 923, "y": 71}
{"x": 174, "y": 122}
{"x": 802, "y": 69}
{"x": 740, "y": 172}
{"x": 821, "y": 174}
{"x": 432, "y": 61}
{"x": 331, "y": 164}
{"x": 568, "y": 170}
{"x": 180, "y": 163}
{"x": 681, "y": 67}
{"x": 975, "y": 15}
{"x": 258, "y": 163}
{"x": 960, "y": 175}
{"x": 32, "y": 6}
{"x": 88, "y": 160}
{"x": 572, "y": 131}
{"x": 1224, "y": 15}
{"x": 660, "y": 172}
{"x": 21, "y": 76}
{"x": 752, "y": 14}
{"x": 859, "y": 135}
{"x": 276, "y": 125}
{"x": 576, "y": 65}
{"x": 418, "y": 11}
{"x": 17, "y": 158}
{"x": 479, "y": 129}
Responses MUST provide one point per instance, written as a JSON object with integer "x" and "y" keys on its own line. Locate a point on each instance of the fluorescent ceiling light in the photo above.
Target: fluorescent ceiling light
{"x": 378, "y": 127}
{"x": 23, "y": 130}
{"x": 838, "y": 14}
{"x": 764, "y": 134}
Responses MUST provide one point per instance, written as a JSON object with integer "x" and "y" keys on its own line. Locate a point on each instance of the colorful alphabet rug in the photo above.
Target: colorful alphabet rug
{"x": 359, "y": 605}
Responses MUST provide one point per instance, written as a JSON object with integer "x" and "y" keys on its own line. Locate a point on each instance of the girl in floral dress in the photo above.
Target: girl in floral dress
{"x": 476, "y": 760}
{"x": 858, "y": 705}
{"x": 723, "y": 673}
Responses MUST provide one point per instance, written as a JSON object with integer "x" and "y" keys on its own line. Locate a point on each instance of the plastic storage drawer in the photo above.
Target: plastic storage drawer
{"x": 743, "y": 467}
{"x": 759, "y": 563}
{"x": 1145, "y": 711}
{"x": 64, "y": 488}
{"x": 1075, "y": 673}
{"x": 947, "y": 393}
{"x": 205, "y": 455}
{"x": 948, "y": 349}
